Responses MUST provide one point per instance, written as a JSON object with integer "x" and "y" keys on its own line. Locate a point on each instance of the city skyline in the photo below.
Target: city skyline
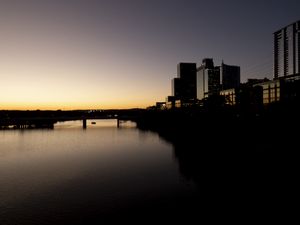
{"x": 121, "y": 54}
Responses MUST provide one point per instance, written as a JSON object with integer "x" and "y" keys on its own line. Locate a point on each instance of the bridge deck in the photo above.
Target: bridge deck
{"x": 31, "y": 122}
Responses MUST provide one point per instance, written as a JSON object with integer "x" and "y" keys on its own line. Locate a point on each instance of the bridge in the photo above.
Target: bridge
{"x": 48, "y": 122}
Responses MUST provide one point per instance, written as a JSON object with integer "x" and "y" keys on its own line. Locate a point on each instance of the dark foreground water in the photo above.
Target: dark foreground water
{"x": 110, "y": 175}
{"x": 102, "y": 174}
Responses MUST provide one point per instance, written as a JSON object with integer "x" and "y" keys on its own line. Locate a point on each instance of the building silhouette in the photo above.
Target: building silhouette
{"x": 184, "y": 85}
{"x": 194, "y": 86}
{"x": 208, "y": 79}
{"x": 286, "y": 83}
{"x": 213, "y": 79}
{"x": 287, "y": 51}
{"x": 285, "y": 87}
{"x": 282, "y": 89}
{"x": 230, "y": 76}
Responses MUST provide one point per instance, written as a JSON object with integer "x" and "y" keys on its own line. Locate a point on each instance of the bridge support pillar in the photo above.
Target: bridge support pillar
{"x": 84, "y": 123}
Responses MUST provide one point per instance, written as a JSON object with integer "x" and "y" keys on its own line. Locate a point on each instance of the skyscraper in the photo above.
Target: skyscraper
{"x": 287, "y": 51}
{"x": 230, "y": 76}
{"x": 184, "y": 86}
{"x": 208, "y": 79}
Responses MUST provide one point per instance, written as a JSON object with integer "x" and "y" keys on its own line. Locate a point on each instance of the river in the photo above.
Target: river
{"x": 70, "y": 175}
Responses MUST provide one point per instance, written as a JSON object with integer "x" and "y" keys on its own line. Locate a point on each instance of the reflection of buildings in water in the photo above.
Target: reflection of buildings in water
{"x": 246, "y": 172}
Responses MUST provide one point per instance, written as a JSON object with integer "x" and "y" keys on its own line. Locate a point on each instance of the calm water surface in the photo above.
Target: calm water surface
{"x": 69, "y": 175}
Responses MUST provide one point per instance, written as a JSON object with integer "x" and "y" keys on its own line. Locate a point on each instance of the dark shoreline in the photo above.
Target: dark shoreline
{"x": 245, "y": 163}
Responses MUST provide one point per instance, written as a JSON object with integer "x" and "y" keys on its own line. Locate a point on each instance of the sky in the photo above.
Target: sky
{"x": 101, "y": 54}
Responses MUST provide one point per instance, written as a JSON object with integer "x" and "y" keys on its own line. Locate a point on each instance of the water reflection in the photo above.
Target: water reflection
{"x": 241, "y": 177}
{"x": 94, "y": 123}
{"x": 103, "y": 174}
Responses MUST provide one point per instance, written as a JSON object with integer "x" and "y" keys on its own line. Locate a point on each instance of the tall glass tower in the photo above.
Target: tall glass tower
{"x": 287, "y": 51}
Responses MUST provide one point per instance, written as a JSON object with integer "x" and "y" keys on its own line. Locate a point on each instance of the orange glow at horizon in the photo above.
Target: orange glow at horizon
{"x": 66, "y": 78}
{"x": 56, "y": 62}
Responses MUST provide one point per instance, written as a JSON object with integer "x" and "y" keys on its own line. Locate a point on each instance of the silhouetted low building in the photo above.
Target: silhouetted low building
{"x": 230, "y": 96}
{"x": 271, "y": 91}
{"x": 252, "y": 95}
{"x": 170, "y": 102}
{"x": 161, "y": 105}
{"x": 284, "y": 89}
{"x": 249, "y": 98}
{"x": 246, "y": 97}
{"x": 178, "y": 104}
{"x": 290, "y": 91}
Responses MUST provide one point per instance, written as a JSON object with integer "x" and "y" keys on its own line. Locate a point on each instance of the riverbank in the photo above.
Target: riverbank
{"x": 245, "y": 162}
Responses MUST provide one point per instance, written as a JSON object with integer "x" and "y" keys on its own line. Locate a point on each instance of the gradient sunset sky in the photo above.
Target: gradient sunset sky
{"x": 99, "y": 54}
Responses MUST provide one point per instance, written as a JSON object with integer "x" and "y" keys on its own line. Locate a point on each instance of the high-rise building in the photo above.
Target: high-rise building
{"x": 194, "y": 83}
{"x": 208, "y": 79}
{"x": 230, "y": 76}
{"x": 287, "y": 50}
{"x": 184, "y": 86}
